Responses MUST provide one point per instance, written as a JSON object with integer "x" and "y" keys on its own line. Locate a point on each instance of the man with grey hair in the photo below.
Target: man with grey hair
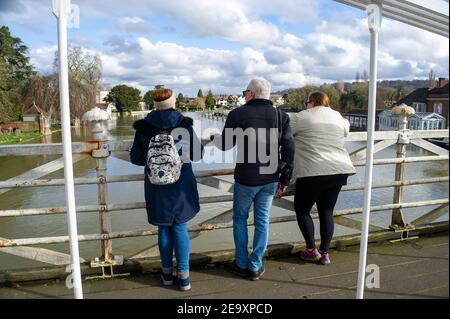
{"x": 265, "y": 155}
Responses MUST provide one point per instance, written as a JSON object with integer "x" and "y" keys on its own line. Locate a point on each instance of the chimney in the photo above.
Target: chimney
{"x": 441, "y": 82}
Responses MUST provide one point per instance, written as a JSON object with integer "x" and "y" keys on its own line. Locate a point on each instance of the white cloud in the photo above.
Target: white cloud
{"x": 42, "y": 58}
{"x": 336, "y": 48}
{"x": 289, "y": 11}
{"x": 134, "y": 25}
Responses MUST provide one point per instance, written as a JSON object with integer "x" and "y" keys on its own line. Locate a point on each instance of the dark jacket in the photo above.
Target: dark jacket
{"x": 178, "y": 202}
{"x": 257, "y": 114}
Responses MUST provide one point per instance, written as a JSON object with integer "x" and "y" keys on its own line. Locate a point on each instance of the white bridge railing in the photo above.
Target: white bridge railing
{"x": 101, "y": 150}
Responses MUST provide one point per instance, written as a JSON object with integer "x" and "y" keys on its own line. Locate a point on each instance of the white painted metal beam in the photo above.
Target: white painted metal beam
{"x": 408, "y": 13}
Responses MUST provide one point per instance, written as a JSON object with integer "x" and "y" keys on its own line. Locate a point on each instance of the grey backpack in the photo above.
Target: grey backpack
{"x": 163, "y": 161}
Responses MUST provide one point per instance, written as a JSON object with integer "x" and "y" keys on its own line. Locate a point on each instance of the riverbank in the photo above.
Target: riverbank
{"x": 24, "y": 137}
{"x": 18, "y": 138}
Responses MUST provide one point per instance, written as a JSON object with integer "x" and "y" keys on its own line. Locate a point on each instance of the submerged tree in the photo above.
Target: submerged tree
{"x": 210, "y": 102}
{"x": 126, "y": 98}
{"x": 148, "y": 99}
{"x": 44, "y": 91}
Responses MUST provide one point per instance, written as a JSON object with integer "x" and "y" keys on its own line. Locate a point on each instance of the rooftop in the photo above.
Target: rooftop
{"x": 34, "y": 110}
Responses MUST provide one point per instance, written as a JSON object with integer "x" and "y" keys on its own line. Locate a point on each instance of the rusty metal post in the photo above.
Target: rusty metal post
{"x": 99, "y": 132}
{"x": 101, "y": 156}
{"x": 403, "y": 111}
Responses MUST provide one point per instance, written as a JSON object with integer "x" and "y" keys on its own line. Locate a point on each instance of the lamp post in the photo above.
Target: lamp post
{"x": 374, "y": 22}
{"x": 61, "y": 9}
{"x": 97, "y": 116}
{"x": 403, "y": 111}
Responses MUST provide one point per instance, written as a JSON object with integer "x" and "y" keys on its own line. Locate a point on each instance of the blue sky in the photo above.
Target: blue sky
{"x": 221, "y": 45}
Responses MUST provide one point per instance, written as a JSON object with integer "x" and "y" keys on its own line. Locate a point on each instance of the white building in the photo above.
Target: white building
{"x": 222, "y": 102}
{"x": 418, "y": 121}
{"x": 240, "y": 101}
{"x": 100, "y": 96}
{"x": 111, "y": 108}
{"x": 279, "y": 101}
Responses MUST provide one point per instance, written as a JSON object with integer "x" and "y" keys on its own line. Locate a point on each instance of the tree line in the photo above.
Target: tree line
{"x": 346, "y": 96}
{"x": 21, "y": 85}
{"x": 126, "y": 99}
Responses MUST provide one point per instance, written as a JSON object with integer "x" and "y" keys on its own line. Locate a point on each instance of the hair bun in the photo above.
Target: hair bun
{"x": 161, "y": 94}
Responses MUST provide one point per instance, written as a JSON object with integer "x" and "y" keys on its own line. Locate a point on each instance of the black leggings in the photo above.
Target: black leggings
{"x": 324, "y": 191}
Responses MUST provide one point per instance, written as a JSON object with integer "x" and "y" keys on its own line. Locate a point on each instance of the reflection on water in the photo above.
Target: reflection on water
{"x": 88, "y": 223}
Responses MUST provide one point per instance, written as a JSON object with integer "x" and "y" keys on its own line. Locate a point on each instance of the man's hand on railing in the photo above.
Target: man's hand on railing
{"x": 210, "y": 139}
{"x": 280, "y": 190}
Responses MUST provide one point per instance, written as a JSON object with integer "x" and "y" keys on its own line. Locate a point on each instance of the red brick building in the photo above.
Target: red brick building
{"x": 437, "y": 99}
{"x": 433, "y": 100}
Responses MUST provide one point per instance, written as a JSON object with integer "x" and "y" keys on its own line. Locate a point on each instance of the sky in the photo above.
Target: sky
{"x": 220, "y": 45}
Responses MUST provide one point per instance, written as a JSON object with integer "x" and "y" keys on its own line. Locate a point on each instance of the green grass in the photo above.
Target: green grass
{"x": 55, "y": 127}
{"x": 10, "y": 139}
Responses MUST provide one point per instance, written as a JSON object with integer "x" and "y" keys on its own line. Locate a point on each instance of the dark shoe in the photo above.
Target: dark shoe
{"x": 184, "y": 284}
{"x": 167, "y": 279}
{"x": 183, "y": 281}
{"x": 255, "y": 275}
{"x": 235, "y": 269}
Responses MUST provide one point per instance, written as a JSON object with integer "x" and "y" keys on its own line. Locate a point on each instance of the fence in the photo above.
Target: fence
{"x": 101, "y": 150}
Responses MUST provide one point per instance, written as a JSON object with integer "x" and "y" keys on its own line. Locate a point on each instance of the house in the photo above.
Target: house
{"x": 418, "y": 121}
{"x": 434, "y": 100}
{"x": 277, "y": 99}
{"x": 240, "y": 101}
{"x": 358, "y": 119}
{"x": 108, "y": 107}
{"x": 100, "y": 96}
{"x": 222, "y": 102}
{"x": 437, "y": 101}
{"x": 35, "y": 115}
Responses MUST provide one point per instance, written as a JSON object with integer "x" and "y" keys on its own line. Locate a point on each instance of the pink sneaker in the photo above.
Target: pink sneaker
{"x": 325, "y": 259}
{"x": 310, "y": 254}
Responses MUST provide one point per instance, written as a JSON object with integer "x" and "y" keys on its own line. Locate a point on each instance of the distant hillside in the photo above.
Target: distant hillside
{"x": 413, "y": 84}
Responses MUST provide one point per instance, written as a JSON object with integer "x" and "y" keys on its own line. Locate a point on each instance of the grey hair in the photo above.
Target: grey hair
{"x": 261, "y": 87}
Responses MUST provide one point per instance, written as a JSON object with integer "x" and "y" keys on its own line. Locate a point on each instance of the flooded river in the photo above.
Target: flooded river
{"x": 117, "y": 164}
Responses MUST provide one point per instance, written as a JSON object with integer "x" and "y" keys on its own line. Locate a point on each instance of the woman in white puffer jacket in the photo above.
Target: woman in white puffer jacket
{"x": 321, "y": 168}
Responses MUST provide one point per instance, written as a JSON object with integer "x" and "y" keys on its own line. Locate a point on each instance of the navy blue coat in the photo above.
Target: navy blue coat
{"x": 178, "y": 202}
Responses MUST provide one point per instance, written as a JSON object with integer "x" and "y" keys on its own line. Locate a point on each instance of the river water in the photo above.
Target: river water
{"x": 118, "y": 164}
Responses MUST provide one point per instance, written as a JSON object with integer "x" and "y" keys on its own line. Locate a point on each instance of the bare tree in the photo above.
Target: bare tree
{"x": 365, "y": 76}
{"x": 431, "y": 79}
{"x": 84, "y": 67}
{"x": 44, "y": 91}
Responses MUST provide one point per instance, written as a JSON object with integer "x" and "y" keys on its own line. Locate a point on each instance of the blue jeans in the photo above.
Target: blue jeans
{"x": 243, "y": 198}
{"x": 172, "y": 238}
